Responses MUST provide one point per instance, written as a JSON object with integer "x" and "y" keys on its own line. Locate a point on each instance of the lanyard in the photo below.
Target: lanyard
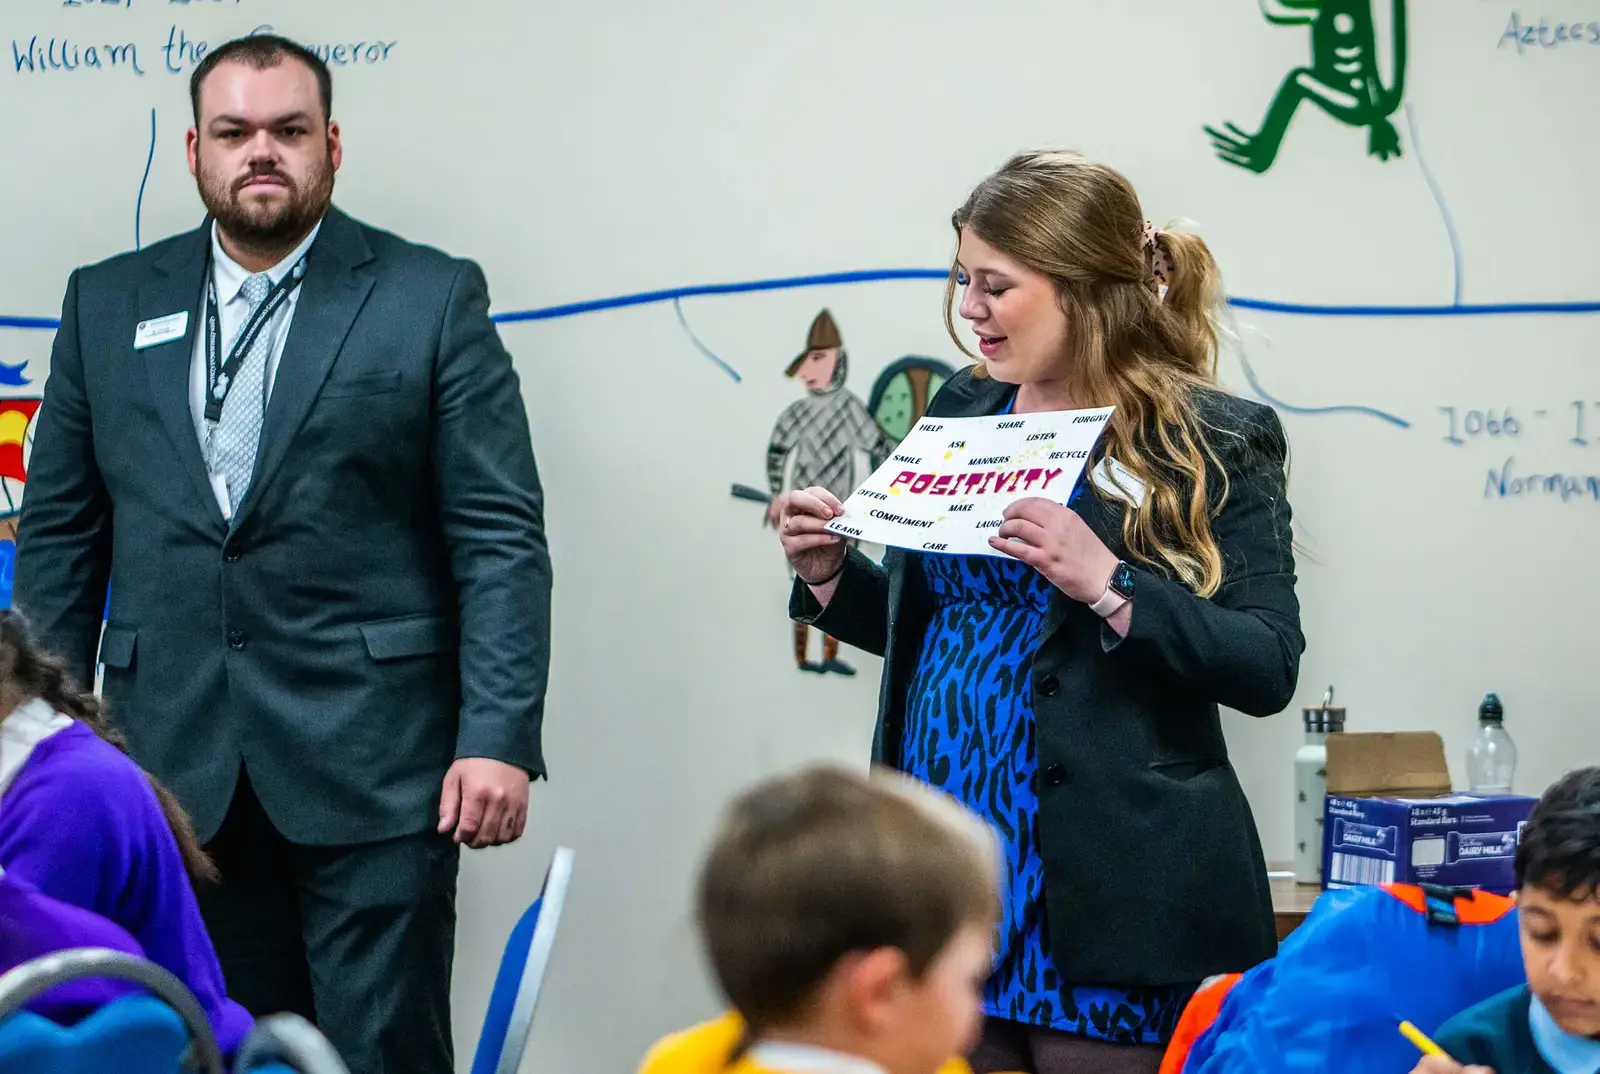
{"x": 220, "y": 373}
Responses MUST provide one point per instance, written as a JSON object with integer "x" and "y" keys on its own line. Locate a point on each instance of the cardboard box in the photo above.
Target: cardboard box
{"x": 1390, "y": 817}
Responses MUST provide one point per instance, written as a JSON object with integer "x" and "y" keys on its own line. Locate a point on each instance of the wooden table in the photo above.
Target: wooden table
{"x": 1290, "y": 901}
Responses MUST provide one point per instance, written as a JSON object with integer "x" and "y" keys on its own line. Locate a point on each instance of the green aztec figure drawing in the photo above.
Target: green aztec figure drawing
{"x": 1343, "y": 80}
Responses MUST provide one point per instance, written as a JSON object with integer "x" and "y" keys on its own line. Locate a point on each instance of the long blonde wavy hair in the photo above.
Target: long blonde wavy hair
{"x": 1080, "y": 224}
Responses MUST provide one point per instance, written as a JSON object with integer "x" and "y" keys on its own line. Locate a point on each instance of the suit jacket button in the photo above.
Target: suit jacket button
{"x": 236, "y": 639}
{"x": 1049, "y": 685}
{"x": 1055, "y": 775}
{"x": 231, "y": 554}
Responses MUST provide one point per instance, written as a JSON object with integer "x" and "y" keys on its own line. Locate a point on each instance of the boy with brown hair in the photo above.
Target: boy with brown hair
{"x": 849, "y": 921}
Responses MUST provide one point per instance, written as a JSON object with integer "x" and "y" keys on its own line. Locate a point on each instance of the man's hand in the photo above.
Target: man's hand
{"x": 485, "y": 801}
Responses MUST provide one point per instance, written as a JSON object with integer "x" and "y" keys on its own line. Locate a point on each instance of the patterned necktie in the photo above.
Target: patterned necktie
{"x": 239, "y": 432}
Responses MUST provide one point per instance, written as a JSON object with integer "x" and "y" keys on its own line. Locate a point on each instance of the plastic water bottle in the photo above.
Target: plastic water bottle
{"x": 1311, "y": 787}
{"x": 1492, "y": 757}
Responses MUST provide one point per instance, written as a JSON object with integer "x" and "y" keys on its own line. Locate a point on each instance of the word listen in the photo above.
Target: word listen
{"x": 975, "y": 483}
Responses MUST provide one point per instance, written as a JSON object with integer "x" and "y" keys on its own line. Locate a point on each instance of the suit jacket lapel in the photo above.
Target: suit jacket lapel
{"x": 334, "y": 291}
{"x": 972, "y": 398}
{"x": 178, "y": 286}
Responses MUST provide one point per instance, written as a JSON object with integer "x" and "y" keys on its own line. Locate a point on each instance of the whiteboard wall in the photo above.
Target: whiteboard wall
{"x": 585, "y": 152}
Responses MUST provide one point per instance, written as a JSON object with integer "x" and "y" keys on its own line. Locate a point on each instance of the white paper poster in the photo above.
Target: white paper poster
{"x": 947, "y": 484}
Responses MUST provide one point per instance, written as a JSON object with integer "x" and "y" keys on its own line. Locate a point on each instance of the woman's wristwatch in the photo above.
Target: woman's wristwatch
{"x": 1119, "y": 590}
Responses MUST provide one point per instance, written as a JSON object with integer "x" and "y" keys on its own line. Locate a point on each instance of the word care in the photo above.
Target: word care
{"x": 950, "y": 480}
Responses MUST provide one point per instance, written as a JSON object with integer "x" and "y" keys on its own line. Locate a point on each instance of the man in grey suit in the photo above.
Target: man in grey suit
{"x": 295, "y": 449}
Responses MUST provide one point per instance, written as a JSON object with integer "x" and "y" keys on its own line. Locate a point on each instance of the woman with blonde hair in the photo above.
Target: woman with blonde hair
{"x": 1068, "y": 690}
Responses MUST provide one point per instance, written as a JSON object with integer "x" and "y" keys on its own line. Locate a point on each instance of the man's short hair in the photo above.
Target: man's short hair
{"x": 1559, "y": 849}
{"x": 809, "y": 867}
{"x": 262, "y": 51}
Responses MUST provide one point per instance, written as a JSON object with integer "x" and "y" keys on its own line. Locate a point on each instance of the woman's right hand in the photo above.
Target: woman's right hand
{"x": 813, "y": 552}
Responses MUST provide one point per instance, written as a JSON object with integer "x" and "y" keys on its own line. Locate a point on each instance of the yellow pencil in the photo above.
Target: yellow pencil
{"x": 1420, "y": 1039}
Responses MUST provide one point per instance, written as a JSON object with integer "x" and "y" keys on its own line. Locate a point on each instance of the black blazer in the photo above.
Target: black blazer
{"x": 380, "y": 604}
{"x": 1153, "y": 867}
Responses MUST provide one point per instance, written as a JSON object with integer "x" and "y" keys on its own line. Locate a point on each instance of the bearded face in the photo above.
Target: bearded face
{"x": 262, "y": 153}
{"x": 267, "y": 203}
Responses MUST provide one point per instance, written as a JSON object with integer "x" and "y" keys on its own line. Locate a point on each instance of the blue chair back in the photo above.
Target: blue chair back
{"x": 509, "y": 1018}
{"x": 139, "y": 1034}
{"x": 133, "y": 1035}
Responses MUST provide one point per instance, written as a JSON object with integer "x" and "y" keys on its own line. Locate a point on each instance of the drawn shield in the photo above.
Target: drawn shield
{"x": 901, "y": 393}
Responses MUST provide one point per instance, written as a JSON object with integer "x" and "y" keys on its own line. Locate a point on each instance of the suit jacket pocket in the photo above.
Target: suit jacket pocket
{"x": 1186, "y": 768}
{"x": 386, "y": 380}
{"x": 116, "y": 646}
{"x": 412, "y": 635}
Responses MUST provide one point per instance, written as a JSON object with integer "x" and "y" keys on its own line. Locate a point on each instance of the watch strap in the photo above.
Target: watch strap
{"x": 1108, "y": 604}
{"x": 1115, "y": 596}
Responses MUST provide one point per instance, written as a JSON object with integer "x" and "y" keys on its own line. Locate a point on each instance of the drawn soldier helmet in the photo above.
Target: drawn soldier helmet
{"x": 824, "y": 333}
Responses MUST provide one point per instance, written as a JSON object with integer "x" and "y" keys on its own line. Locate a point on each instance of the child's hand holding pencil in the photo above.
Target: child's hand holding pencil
{"x": 1434, "y": 1059}
{"x": 1433, "y": 1064}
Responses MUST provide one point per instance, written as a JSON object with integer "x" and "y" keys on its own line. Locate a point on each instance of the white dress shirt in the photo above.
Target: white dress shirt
{"x": 21, "y": 731}
{"x": 794, "y": 1058}
{"x": 232, "y": 308}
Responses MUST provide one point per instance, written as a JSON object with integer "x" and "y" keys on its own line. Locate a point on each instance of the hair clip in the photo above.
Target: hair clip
{"x": 1160, "y": 259}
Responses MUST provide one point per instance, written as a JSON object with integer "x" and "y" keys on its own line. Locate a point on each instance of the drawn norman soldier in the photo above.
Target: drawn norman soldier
{"x": 815, "y": 442}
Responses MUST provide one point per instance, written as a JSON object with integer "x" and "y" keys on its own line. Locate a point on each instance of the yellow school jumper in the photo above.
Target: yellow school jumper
{"x": 708, "y": 1049}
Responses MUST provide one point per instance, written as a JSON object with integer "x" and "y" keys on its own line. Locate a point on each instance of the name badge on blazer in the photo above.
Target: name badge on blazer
{"x": 1110, "y": 474}
{"x": 159, "y": 330}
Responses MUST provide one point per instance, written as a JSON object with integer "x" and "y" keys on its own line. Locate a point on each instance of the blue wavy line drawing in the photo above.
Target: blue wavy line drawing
{"x": 1237, "y": 337}
{"x": 1302, "y": 309}
{"x": 1497, "y": 309}
{"x": 1290, "y": 408}
{"x": 47, "y": 324}
{"x": 644, "y": 298}
{"x": 138, "y": 205}
{"x": 675, "y": 295}
{"x": 1438, "y": 199}
{"x": 677, "y": 307}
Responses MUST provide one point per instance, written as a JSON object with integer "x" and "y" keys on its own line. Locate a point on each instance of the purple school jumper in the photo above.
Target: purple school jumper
{"x": 80, "y": 823}
{"x": 34, "y": 925}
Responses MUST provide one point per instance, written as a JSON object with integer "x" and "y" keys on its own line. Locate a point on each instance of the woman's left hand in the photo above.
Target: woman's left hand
{"x": 1055, "y": 541}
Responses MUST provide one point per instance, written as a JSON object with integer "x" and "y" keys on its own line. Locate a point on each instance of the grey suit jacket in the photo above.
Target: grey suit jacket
{"x": 380, "y": 604}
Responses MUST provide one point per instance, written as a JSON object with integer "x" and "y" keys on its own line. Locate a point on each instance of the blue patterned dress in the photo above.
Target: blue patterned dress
{"x": 969, "y": 730}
